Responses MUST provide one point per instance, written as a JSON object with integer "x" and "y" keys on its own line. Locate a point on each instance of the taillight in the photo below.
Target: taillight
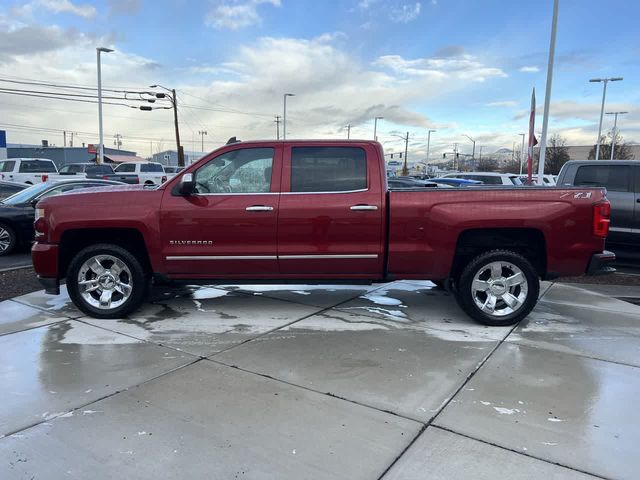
{"x": 41, "y": 226}
{"x": 44, "y": 178}
{"x": 601, "y": 219}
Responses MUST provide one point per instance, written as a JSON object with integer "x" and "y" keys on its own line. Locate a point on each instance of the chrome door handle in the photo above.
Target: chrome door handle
{"x": 363, "y": 207}
{"x": 259, "y": 208}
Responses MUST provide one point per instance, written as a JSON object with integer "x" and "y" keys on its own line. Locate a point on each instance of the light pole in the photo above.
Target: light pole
{"x": 522, "y": 151}
{"x": 277, "y": 122}
{"x": 100, "y": 50}
{"x": 202, "y": 133}
{"x": 375, "y": 127}
{"x": 605, "y": 81}
{"x": 473, "y": 153}
{"x": 284, "y": 116}
{"x": 429, "y": 142}
{"x": 348, "y": 131}
{"x": 614, "y": 132}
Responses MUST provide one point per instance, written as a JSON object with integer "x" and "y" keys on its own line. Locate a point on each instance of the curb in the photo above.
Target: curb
{"x": 10, "y": 269}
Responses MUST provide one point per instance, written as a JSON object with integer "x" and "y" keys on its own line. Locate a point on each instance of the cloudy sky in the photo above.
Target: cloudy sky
{"x": 462, "y": 67}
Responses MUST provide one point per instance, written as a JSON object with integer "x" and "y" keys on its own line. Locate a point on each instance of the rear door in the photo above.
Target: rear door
{"x": 618, "y": 180}
{"x": 227, "y": 228}
{"x": 331, "y": 212}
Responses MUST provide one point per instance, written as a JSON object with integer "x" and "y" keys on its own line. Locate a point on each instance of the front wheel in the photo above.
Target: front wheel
{"x": 106, "y": 281}
{"x": 8, "y": 239}
{"x": 498, "y": 288}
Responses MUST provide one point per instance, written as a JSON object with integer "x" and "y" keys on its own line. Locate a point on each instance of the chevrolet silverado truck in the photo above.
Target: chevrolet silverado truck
{"x": 316, "y": 212}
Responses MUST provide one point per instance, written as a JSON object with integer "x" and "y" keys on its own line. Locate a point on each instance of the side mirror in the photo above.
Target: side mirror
{"x": 187, "y": 184}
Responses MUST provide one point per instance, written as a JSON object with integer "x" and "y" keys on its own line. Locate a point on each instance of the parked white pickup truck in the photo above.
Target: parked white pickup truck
{"x": 148, "y": 173}
{"x": 27, "y": 170}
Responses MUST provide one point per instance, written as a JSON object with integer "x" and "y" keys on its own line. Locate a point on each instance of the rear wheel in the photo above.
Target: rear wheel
{"x": 106, "y": 281}
{"x": 8, "y": 239}
{"x": 498, "y": 288}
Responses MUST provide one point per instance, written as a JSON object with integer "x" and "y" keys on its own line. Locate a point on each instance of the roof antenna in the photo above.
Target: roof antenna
{"x": 232, "y": 140}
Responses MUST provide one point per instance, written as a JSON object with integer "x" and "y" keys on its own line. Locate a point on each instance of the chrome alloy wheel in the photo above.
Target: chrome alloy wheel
{"x": 499, "y": 288}
{"x": 5, "y": 239}
{"x": 105, "y": 282}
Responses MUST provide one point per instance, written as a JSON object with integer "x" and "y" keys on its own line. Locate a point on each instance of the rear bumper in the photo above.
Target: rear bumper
{"x": 599, "y": 264}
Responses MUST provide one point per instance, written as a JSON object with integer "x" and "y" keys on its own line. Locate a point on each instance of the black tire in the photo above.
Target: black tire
{"x": 465, "y": 294}
{"x": 139, "y": 281}
{"x": 11, "y": 239}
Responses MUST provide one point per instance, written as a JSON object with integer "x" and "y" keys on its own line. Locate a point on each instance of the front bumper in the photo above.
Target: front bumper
{"x": 51, "y": 285}
{"x": 599, "y": 263}
{"x": 45, "y": 263}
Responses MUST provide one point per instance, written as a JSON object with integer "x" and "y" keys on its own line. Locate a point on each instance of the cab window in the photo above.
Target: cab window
{"x": 37, "y": 166}
{"x": 328, "y": 169}
{"x": 7, "y": 166}
{"x": 614, "y": 177}
{"x": 246, "y": 170}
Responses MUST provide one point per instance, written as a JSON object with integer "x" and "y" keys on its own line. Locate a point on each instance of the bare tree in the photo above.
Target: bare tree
{"x": 488, "y": 165}
{"x": 557, "y": 154}
{"x": 512, "y": 166}
{"x": 621, "y": 151}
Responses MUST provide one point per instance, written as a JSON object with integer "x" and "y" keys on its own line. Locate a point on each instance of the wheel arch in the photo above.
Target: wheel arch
{"x": 74, "y": 240}
{"x": 528, "y": 242}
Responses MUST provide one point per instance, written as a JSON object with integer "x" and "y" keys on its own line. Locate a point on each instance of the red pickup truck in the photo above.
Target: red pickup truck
{"x": 317, "y": 212}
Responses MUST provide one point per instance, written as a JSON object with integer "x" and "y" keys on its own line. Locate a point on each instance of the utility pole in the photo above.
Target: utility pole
{"x": 547, "y": 94}
{"x": 175, "y": 121}
{"x": 100, "y": 157}
{"x": 375, "y": 127}
{"x": 405, "y": 167}
{"x": 71, "y": 141}
{"x": 277, "y": 122}
{"x": 348, "y": 131}
{"x": 202, "y": 133}
{"x": 522, "y": 151}
{"x": 480, "y": 159}
{"x": 117, "y": 140}
{"x": 605, "y": 81}
{"x": 614, "y": 132}
{"x": 64, "y": 138}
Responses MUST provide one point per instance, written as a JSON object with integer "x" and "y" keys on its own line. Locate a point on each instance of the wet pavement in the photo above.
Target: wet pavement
{"x": 385, "y": 381}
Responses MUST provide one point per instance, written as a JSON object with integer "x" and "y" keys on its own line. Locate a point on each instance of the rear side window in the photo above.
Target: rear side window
{"x": 328, "y": 169}
{"x": 126, "y": 168}
{"x": 614, "y": 177}
{"x": 516, "y": 180}
{"x": 37, "y": 166}
{"x": 99, "y": 169}
{"x": 151, "y": 168}
{"x": 7, "y": 166}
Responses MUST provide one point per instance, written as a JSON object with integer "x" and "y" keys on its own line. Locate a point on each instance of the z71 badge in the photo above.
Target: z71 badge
{"x": 576, "y": 195}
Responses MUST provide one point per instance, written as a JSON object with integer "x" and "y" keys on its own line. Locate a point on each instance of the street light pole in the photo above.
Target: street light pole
{"x": 614, "y": 132}
{"x": 348, "y": 131}
{"x": 277, "y": 122}
{"x": 405, "y": 168}
{"x": 99, "y": 50}
{"x": 429, "y": 142}
{"x": 522, "y": 151}
{"x": 547, "y": 95}
{"x": 202, "y": 133}
{"x": 605, "y": 81}
{"x": 375, "y": 127}
{"x": 284, "y": 116}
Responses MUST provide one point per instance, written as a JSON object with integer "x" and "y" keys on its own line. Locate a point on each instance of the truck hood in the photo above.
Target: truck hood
{"x": 114, "y": 196}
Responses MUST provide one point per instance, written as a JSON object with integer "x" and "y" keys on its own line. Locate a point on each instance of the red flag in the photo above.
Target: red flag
{"x": 532, "y": 137}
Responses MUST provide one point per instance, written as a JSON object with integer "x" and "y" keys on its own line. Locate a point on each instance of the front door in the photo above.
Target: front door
{"x": 227, "y": 228}
{"x": 331, "y": 212}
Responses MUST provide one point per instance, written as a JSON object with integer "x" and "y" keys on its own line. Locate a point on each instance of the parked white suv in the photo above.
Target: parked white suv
{"x": 547, "y": 180}
{"x": 149, "y": 173}
{"x": 27, "y": 170}
{"x": 489, "y": 178}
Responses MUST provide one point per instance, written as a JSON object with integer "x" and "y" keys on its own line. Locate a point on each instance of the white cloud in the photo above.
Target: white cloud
{"x": 237, "y": 14}
{"x": 463, "y": 67}
{"x": 530, "y": 69}
{"x": 61, "y": 6}
{"x": 503, "y": 103}
{"x": 405, "y": 13}
{"x": 124, "y": 7}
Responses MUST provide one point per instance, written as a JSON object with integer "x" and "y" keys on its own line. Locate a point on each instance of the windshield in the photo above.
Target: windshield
{"x": 27, "y": 194}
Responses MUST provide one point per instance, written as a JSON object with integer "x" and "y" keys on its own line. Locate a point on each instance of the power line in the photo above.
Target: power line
{"x": 68, "y": 86}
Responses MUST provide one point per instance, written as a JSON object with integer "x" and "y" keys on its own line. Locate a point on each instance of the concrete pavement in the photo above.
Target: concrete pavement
{"x": 388, "y": 381}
